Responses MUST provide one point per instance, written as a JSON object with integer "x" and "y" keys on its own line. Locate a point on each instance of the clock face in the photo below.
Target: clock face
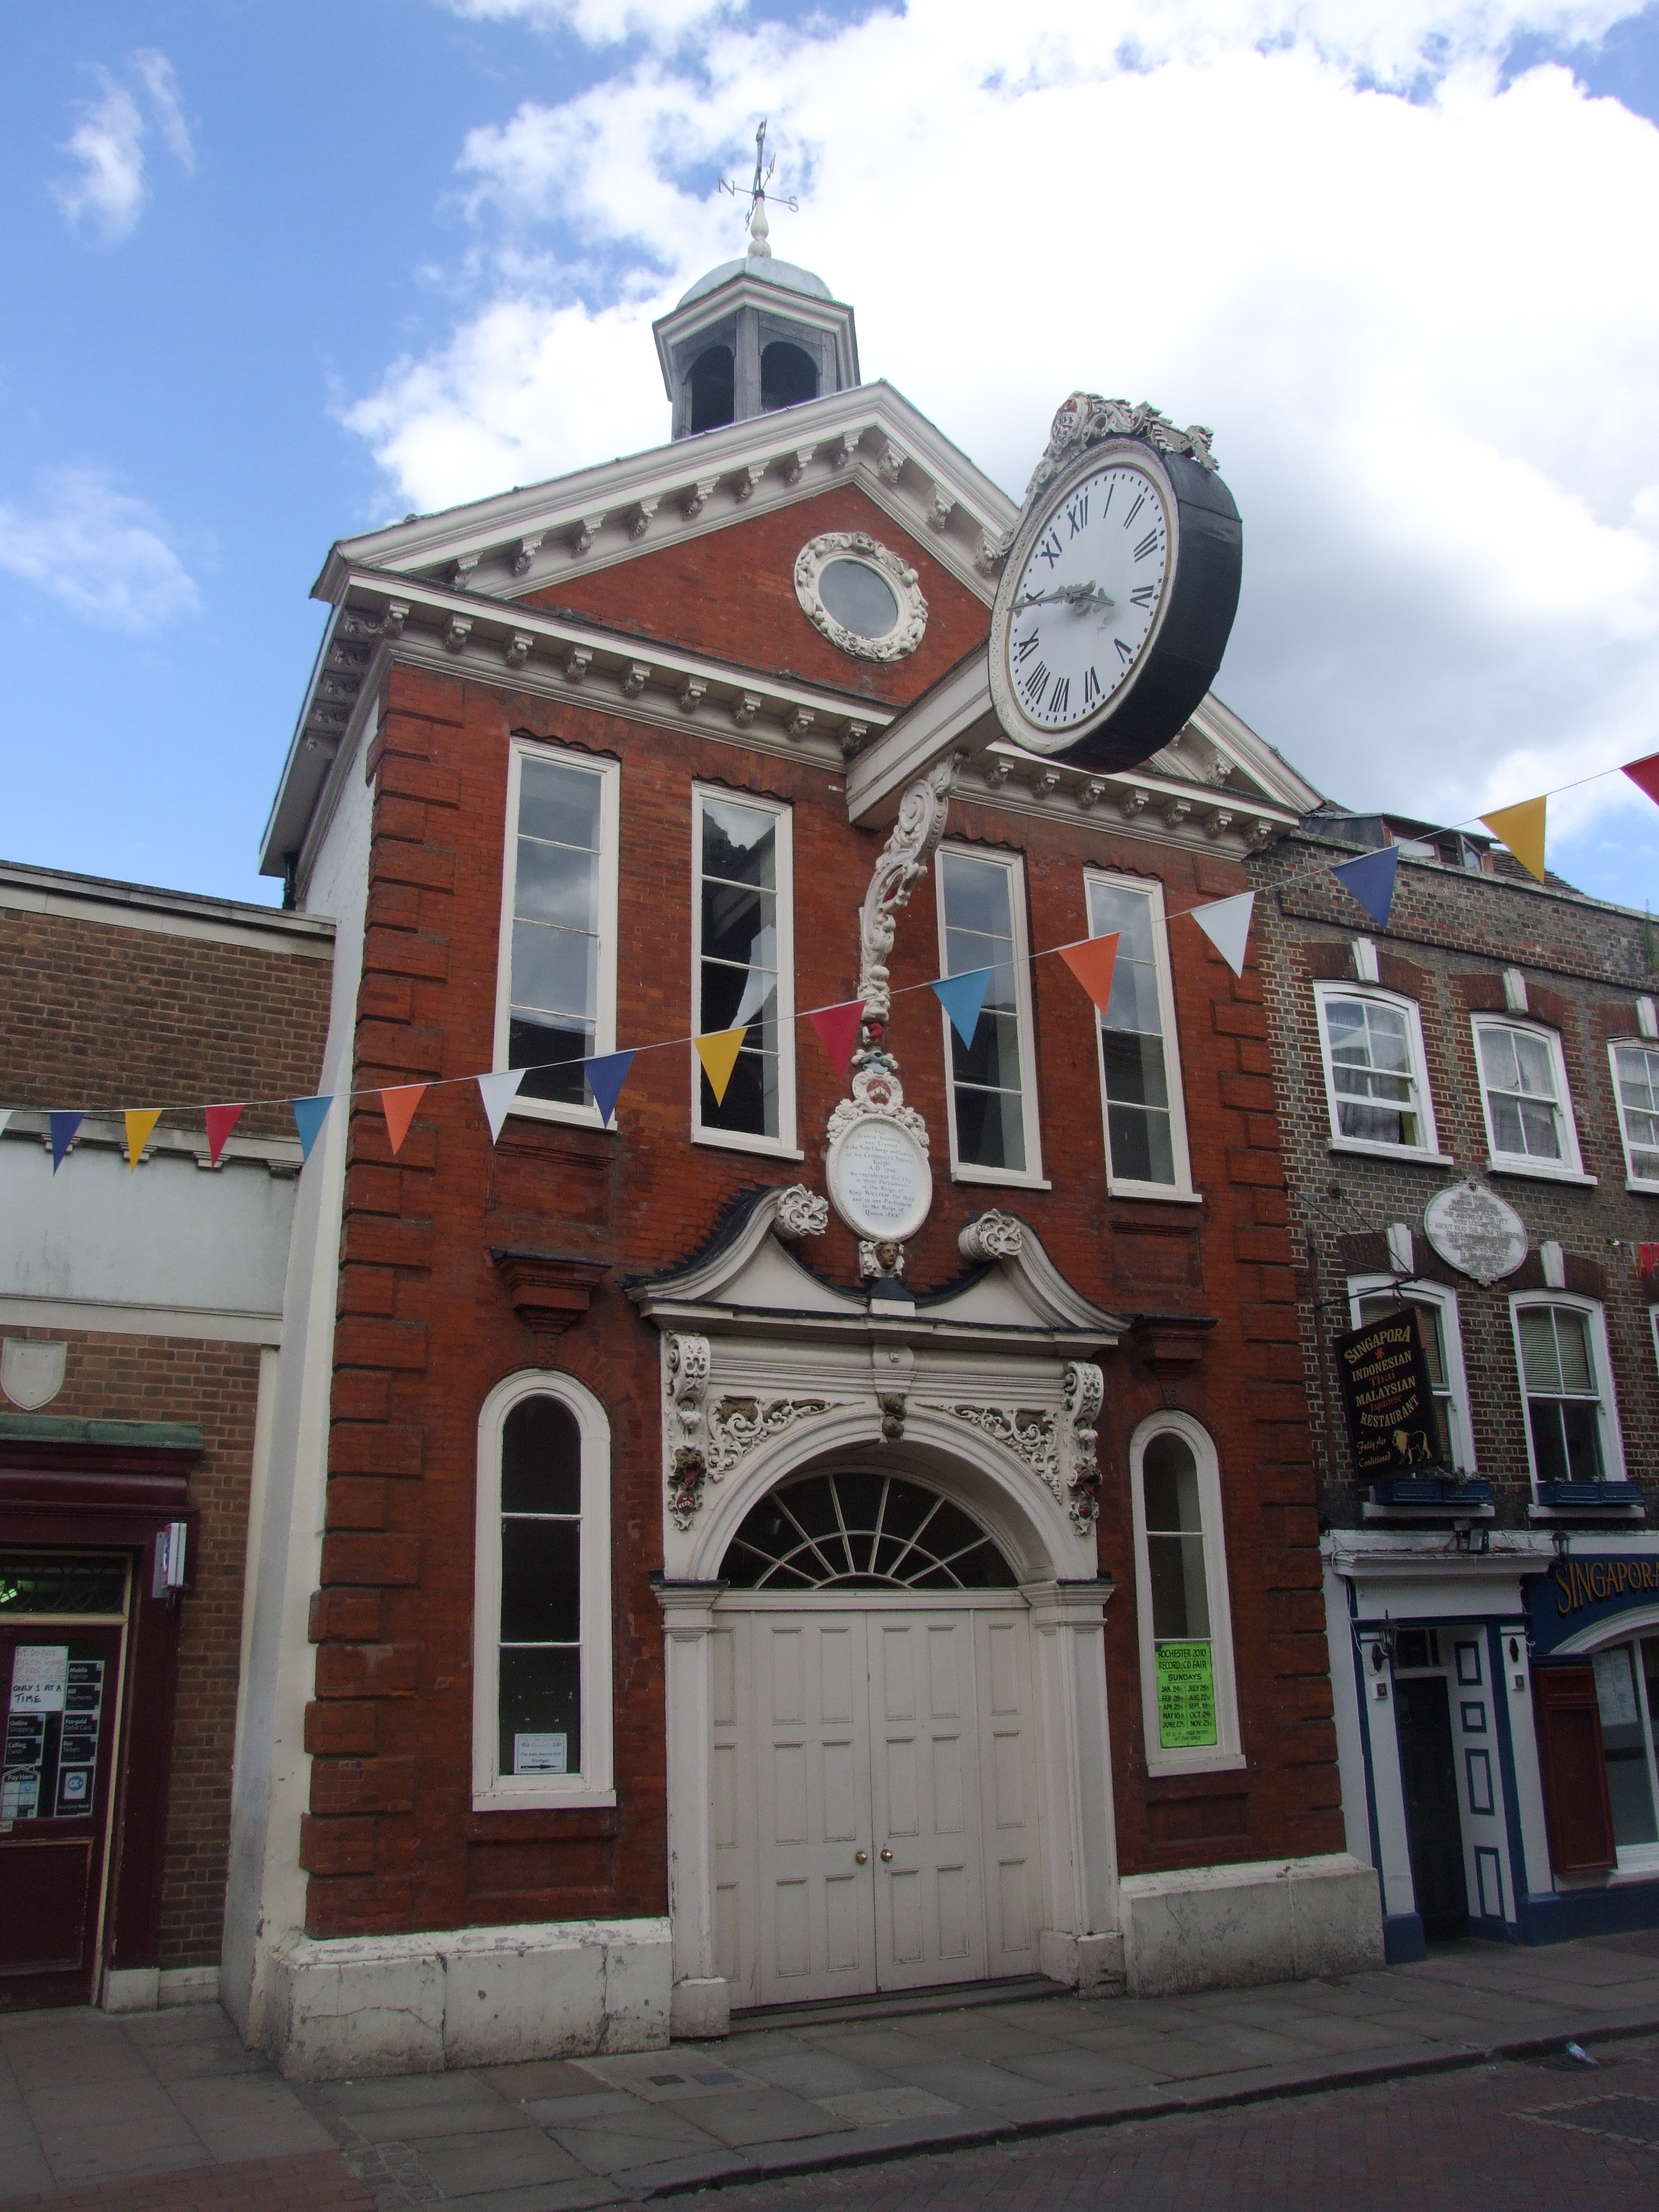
{"x": 1089, "y": 598}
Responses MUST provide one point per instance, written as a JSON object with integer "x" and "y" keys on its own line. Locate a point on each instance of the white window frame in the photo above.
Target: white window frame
{"x": 1632, "y": 1858}
{"x": 604, "y": 1012}
{"x": 492, "y": 1790}
{"x": 1181, "y": 1190}
{"x": 1444, "y": 1301}
{"x": 1569, "y": 1168}
{"x": 783, "y": 1146}
{"x": 1031, "y": 1177}
{"x": 1612, "y": 1442}
{"x": 1632, "y": 1181}
{"x": 1225, "y": 1754}
{"x": 1369, "y": 1147}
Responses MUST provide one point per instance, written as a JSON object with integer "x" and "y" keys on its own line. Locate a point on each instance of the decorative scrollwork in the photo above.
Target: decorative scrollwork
{"x": 688, "y": 1379}
{"x": 992, "y": 1236}
{"x": 1085, "y": 1389}
{"x": 800, "y": 1212}
{"x": 1025, "y": 1430}
{"x": 736, "y": 1425}
{"x": 903, "y": 860}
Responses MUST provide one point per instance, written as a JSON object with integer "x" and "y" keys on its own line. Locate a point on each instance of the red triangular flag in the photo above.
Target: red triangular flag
{"x": 398, "y": 1107}
{"x": 1644, "y": 774}
{"x": 1647, "y": 1259}
{"x": 1092, "y": 963}
{"x": 221, "y": 1121}
{"x": 838, "y": 1031}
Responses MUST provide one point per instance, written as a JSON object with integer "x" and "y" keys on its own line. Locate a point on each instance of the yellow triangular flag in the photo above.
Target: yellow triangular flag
{"x": 1522, "y": 829}
{"x": 718, "y": 1052}
{"x": 140, "y": 1121}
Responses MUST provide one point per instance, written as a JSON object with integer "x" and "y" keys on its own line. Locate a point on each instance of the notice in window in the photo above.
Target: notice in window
{"x": 540, "y": 1755}
{"x": 40, "y": 1677}
{"x": 1186, "y": 1696}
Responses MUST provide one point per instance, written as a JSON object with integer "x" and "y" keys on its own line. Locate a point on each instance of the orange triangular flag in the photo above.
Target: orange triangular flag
{"x": 398, "y": 1107}
{"x": 1522, "y": 829}
{"x": 1092, "y": 963}
{"x": 140, "y": 1121}
{"x": 719, "y": 1053}
{"x": 221, "y": 1121}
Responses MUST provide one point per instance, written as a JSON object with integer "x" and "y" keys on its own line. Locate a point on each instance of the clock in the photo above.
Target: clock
{"x": 1118, "y": 591}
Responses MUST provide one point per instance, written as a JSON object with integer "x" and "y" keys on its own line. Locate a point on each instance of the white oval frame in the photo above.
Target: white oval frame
{"x": 900, "y": 578}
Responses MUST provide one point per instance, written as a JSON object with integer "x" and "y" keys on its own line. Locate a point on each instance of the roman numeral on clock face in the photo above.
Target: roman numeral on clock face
{"x": 1036, "y": 684}
{"x": 1140, "y": 502}
{"x": 1126, "y": 654}
{"x": 1077, "y": 514}
{"x": 1062, "y": 699}
{"x": 1049, "y": 550}
{"x": 1146, "y": 545}
{"x": 1090, "y": 687}
{"x": 1025, "y": 647}
{"x": 1143, "y": 595}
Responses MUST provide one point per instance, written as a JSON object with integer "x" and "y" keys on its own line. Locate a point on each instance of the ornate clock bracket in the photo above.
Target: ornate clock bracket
{"x": 877, "y": 1094}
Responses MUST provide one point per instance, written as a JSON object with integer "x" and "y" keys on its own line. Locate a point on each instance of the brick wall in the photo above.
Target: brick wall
{"x": 1452, "y": 934}
{"x": 145, "y": 1378}
{"x": 101, "y": 1016}
{"x": 425, "y": 1329}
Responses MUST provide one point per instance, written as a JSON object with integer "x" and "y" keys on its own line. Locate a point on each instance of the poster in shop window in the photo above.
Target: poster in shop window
{"x": 1387, "y": 1394}
{"x": 1186, "y": 1696}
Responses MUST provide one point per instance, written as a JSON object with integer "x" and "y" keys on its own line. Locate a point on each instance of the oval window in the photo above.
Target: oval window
{"x": 859, "y": 597}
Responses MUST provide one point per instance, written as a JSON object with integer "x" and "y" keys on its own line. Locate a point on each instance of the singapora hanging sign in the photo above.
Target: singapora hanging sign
{"x": 1387, "y": 1394}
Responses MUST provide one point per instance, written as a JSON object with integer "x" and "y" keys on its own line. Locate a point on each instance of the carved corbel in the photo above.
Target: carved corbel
{"x": 688, "y": 1359}
{"x": 528, "y": 548}
{"x": 461, "y": 572}
{"x": 991, "y": 1236}
{"x": 517, "y": 649}
{"x": 799, "y": 723}
{"x": 844, "y": 449}
{"x": 693, "y": 500}
{"x": 853, "y": 739}
{"x": 685, "y": 1481}
{"x": 1133, "y": 803}
{"x": 1085, "y": 1389}
{"x": 880, "y": 1258}
{"x": 582, "y": 537}
{"x": 397, "y": 614}
{"x": 800, "y": 1212}
{"x": 1221, "y": 821}
{"x": 640, "y": 520}
{"x": 459, "y": 629}
{"x": 747, "y": 707}
{"x": 890, "y": 466}
{"x": 636, "y": 680}
{"x": 796, "y": 466}
{"x": 1090, "y": 794}
{"x": 940, "y": 508}
{"x": 747, "y": 480}
{"x": 1045, "y": 781}
{"x": 576, "y": 664}
{"x": 692, "y": 692}
{"x": 989, "y": 555}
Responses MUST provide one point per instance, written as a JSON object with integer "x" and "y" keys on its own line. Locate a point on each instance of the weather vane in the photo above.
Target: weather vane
{"x": 759, "y": 228}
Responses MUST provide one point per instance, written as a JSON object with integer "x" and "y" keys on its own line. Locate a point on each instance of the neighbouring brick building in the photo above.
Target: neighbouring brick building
{"x": 1468, "y": 1106}
{"x": 140, "y": 1326}
{"x": 661, "y": 1603}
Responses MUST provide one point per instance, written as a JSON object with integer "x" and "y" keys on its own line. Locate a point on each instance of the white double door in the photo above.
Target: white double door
{"x": 873, "y": 1797}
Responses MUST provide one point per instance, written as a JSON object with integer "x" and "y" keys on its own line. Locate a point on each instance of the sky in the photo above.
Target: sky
{"x": 277, "y": 270}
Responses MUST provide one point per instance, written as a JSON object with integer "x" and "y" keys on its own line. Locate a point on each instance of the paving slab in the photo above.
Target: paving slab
{"x": 462, "y": 2163}
{"x": 644, "y": 2139}
{"x": 759, "y": 2115}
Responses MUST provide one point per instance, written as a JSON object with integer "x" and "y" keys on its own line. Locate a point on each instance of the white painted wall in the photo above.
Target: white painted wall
{"x": 265, "y": 1894}
{"x": 167, "y": 1238}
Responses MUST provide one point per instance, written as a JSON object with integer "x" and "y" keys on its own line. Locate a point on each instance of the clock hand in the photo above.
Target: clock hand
{"x": 1076, "y": 596}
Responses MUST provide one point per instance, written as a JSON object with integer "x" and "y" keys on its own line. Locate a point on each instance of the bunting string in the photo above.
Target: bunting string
{"x": 1369, "y": 878}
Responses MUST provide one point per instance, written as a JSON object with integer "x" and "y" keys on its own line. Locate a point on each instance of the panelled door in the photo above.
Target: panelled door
{"x": 62, "y": 1685}
{"x": 873, "y": 1790}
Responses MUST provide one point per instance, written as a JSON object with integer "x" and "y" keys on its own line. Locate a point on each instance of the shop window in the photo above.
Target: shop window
{"x": 993, "y": 1090}
{"x": 557, "y": 989}
{"x": 742, "y": 958}
{"x": 1572, "y": 1769}
{"x": 1435, "y": 1311}
{"x": 1627, "y": 1702}
{"x": 1572, "y": 1433}
{"x": 1523, "y": 1093}
{"x": 1140, "y": 1058}
{"x": 1184, "y": 1622}
{"x": 542, "y": 1732}
{"x": 1376, "y": 1082}
{"x": 1636, "y": 1081}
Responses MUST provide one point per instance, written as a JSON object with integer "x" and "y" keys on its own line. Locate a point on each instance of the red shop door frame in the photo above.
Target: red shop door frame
{"x": 70, "y": 1485}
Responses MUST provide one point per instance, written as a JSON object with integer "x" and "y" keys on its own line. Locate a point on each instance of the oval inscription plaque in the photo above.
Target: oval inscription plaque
{"x": 879, "y": 1181}
{"x": 1473, "y": 1229}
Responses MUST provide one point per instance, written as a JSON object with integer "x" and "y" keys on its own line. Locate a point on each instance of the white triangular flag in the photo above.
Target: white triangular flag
{"x": 756, "y": 993}
{"x": 1226, "y": 923}
{"x": 498, "y": 1092}
{"x": 6, "y": 1112}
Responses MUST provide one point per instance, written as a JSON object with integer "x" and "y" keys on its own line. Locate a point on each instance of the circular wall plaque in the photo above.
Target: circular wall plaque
{"x": 1473, "y": 1231}
{"x": 879, "y": 1181}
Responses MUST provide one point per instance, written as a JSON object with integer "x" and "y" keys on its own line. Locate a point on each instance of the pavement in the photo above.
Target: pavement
{"x": 169, "y": 2110}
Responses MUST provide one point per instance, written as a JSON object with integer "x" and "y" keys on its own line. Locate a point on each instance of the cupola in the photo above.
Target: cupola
{"x": 753, "y": 336}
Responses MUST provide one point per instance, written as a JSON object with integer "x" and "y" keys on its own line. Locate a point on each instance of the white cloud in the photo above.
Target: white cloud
{"x": 1417, "y": 325}
{"x": 97, "y": 550}
{"x": 108, "y": 143}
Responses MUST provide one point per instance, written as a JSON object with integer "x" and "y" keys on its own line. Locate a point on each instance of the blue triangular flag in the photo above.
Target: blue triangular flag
{"x": 1371, "y": 878}
{"x": 606, "y": 1075}
{"x": 64, "y": 1126}
{"x": 309, "y": 1115}
{"x": 962, "y": 997}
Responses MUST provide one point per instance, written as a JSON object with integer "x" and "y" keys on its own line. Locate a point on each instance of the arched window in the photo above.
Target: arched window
{"x": 541, "y": 1727}
{"x": 713, "y": 388}
{"x": 858, "y": 1531}
{"x": 1187, "y": 1695}
{"x": 789, "y": 375}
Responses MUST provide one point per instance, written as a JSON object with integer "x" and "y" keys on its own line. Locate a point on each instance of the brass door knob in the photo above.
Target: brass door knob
{"x": 861, "y": 1856}
{"x": 887, "y": 1854}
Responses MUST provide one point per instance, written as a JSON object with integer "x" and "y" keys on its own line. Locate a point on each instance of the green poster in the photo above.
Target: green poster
{"x": 1186, "y": 1696}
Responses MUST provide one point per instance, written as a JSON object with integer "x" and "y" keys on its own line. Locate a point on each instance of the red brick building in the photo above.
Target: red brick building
{"x": 670, "y": 1599}
{"x": 140, "y": 1323}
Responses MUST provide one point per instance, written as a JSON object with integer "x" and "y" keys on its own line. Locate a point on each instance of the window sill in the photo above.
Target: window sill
{"x": 568, "y": 1117}
{"x": 723, "y": 1140}
{"x": 1362, "y": 1148}
{"x": 1162, "y": 1192}
{"x": 999, "y": 1179}
{"x": 540, "y": 1800}
{"x": 1641, "y": 1188}
{"x": 1201, "y": 1762}
{"x": 1536, "y": 1172}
